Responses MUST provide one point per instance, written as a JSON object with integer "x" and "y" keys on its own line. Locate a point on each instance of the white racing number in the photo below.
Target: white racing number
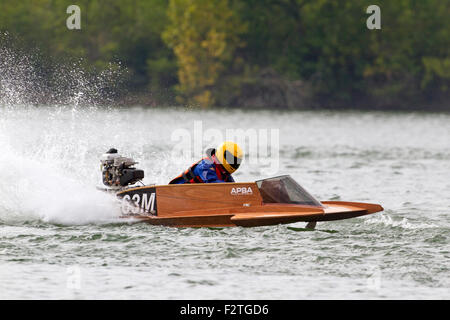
{"x": 143, "y": 203}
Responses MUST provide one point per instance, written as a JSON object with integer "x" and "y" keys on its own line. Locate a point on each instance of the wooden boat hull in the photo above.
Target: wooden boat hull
{"x": 227, "y": 205}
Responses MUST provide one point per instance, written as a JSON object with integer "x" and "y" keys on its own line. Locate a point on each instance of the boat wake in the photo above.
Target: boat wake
{"x": 27, "y": 78}
{"x": 31, "y": 190}
{"x": 43, "y": 150}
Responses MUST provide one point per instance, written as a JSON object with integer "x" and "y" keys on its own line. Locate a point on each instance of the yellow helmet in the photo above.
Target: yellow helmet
{"x": 229, "y": 155}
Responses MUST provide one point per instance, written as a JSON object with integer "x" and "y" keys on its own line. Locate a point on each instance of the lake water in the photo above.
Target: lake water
{"x": 60, "y": 238}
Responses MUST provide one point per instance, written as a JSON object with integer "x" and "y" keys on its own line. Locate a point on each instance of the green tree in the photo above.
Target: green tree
{"x": 204, "y": 35}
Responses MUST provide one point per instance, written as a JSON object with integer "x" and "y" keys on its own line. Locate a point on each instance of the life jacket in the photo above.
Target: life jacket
{"x": 189, "y": 176}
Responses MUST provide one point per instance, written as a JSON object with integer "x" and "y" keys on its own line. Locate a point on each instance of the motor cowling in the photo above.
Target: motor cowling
{"x": 118, "y": 171}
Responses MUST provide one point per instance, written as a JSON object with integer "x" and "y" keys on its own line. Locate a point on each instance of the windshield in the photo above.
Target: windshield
{"x": 284, "y": 189}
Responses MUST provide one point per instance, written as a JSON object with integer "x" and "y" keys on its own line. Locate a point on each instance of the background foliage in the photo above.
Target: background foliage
{"x": 268, "y": 53}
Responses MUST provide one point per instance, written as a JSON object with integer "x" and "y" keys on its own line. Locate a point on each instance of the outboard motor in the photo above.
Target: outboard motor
{"x": 118, "y": 171}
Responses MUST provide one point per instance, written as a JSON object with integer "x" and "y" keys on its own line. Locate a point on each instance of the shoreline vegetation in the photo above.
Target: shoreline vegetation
{"x": 268, "y": 54}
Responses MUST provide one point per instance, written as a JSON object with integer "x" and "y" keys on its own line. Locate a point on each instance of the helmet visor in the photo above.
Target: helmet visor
{"x": 233, "y": 161}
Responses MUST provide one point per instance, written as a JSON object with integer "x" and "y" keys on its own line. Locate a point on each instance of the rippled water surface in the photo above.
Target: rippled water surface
{"x": 60, "y": 238}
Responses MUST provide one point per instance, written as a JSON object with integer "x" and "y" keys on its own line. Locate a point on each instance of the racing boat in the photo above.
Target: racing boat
{"x": 272, "y": 201}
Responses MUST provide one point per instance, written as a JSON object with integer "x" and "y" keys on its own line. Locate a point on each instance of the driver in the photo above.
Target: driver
{"x": 217, "y": 167}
